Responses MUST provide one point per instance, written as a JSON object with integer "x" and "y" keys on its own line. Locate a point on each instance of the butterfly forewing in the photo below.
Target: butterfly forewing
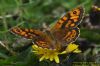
{"x": 70, "y": 19}
{"x": 38, "y": 37}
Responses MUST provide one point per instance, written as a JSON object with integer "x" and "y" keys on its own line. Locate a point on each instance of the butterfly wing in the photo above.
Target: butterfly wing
{"x": 38, "y": 37}
{"x": 70, "y": 20}
{"x": 65, "y": 30}
{"x": 66, "y": 36}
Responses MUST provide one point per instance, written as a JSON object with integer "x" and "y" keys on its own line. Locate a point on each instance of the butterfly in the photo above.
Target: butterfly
{"x": 65, "y": 31}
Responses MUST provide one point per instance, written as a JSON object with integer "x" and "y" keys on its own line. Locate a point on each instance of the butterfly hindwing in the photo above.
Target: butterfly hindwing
{"x": 66, "y": 36}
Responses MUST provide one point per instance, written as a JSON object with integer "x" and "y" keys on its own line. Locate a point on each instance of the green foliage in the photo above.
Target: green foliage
{"x": 91, "y": 35}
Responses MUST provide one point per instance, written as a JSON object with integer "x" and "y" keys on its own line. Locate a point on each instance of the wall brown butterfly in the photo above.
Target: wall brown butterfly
{"x": 63, "y": 32}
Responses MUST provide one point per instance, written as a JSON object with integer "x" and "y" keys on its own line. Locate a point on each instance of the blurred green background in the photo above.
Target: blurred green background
{"x": 33, "y": 14}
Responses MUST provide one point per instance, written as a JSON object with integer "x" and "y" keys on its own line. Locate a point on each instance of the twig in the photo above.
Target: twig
{"x": 6, "y": 16}
{"x": 7, "y": 48}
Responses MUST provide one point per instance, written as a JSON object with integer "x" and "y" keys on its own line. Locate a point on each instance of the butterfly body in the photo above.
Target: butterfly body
{"x": 64, "y": 32}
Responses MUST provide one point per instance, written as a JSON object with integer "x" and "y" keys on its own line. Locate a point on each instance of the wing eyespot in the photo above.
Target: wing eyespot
{"x": 74, "y": 13}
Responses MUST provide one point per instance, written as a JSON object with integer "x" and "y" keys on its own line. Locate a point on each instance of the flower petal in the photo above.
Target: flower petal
{"x": 77, "y": 51}
{"x": 47, "y": 56}
{"x": 35, "y": 47}
{"x": 42, "y": 58}
{"x": 64, "y": 52}
{"x": 51, "y": 57}
{"x": 71, "y": 47}
{"x": 56, "y": 59}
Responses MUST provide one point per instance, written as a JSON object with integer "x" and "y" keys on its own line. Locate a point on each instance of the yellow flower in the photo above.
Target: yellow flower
{"x": 51, "y": 54}
{"x": 71, "y": 48}
{"x": 46, "y": 53}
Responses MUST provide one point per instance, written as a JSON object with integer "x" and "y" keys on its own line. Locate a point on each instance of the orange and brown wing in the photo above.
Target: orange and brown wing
{"x": 65, "y": 30}
{"x": 26, "y": 33}
{"x": 66, "y": 36}
{"x": 71, "y": 19}
{"x": 38, "y": 37}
